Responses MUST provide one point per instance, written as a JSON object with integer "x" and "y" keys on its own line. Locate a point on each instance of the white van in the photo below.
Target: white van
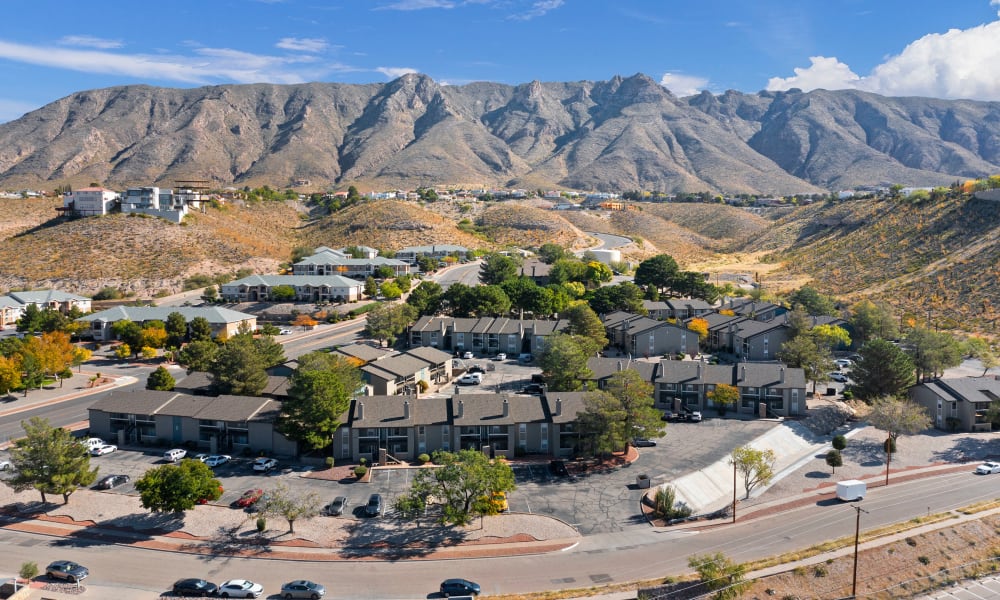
{"x": 851, "y": 490}
{"x": 91, "y": 443}
{"x": 175, "y": 454}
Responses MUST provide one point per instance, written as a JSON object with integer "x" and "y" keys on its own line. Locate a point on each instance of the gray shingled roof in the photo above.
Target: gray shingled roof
{"x": 384, "y": 411}
{"x": 400, "y": 365}
{"x": 139, "y": 314}
{"x": 602, "y": 368}
{"x": 136, "y": 402}
{"x": 297, "y": 281}
{"x": 430, "y": 355}
{"x": 175, "y": 404}
{"x": 967, "y": 389}
{"x": 44, "y": 296}
{"x": 748, "y": 329}
{"x": 573, "y": 403}
{"x": 363, "y": 352}
{"x": 487, "y": 409}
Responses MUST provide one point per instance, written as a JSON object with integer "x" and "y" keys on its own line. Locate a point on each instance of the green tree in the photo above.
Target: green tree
{"x": 839, "y": 442}
{"x": 390, "y": 290}
{"x": 635, "y": 395}
{"x": 176, "y": 328}
{"x": 882, "y": 370}
{"x": 384, "y": 272}
{"x": 128, "y": 332}
{"x": 320, "y": 392}
{"x": 564, "y": 362}
{"x": 812, "y": 301}
{"x": 50, "y": 460}
{"x": 498, "y": 268}
{"x": 32, "y": 373}
{"x": 896, "y": 418}
{"x": 550, "y": 253}
{"x": 720, "y": 575}
{"x": 271, "y": 352}
{"x": 371, "y": 287}
{"x": 598, "y": 273}
{"x": 200, "y": 329}
{"x": 802, "y": 352}
{"x": 386, "y": 322}
{"x": 426, "y": 298}
{"x": 291, "y": 506}
{"x": 239, "y": 368}
{"x": 658, "y": 272}
{"x": 566, "y": 270}
{"x": 160, "y": 379}
{"x": 666, "y": 506}
{"x": 601, "y": 424}
{"x": 834, "y": 459}
{"x": 933, "y": 351}
{"x": 282, "y": 293}
{"x": 872, "y": 321}
{"x": 981, "y": 350}
{"x": 756, "y": 466}
{"x": 831, "y": 336}
{"x": 463, "y": 483}
{"x": 198, "y": 356}
{"x": 123, "y": 351}
{"x": 584, "y": 322}
{"x": 177, "y": 488}
{"x": 30, "y": 318}
{"x": 487, "y": 301}
{"x": 626, "y": 296}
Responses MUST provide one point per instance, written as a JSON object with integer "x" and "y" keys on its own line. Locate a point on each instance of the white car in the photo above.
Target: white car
{"x": 468, "y": 355}
{"x": 92, "y": 443}
{"x": 240, "y": 588}
{"x": 202, "y": 457}
{"x": 839, "y": 377}
{"x": 264, "y": 464}
{"x": 102, "y": 450}
{"x": 501, "y": 356}
{"x": 285, "y": 332}
{"x": 470, "y": 379}
{"x": 843, "y": 363}
{"x": 217, "y": 459}
{"x": 988, "y": 468}
{"x": 5, "y": 465}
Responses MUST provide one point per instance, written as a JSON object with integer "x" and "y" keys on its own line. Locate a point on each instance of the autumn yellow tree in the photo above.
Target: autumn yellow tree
{"x": 700, "y": 326}
{"x": 52, "y": 350}
{"x": 80, "y": 356}
{"x": 304, "y": 320}
{"x": 10, "y": 373}
{"x": 154, "y": 337}
{"x": 724, "y": 396}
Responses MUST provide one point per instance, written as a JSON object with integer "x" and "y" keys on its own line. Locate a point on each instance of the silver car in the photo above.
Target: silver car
{"x": 302, "y": 588}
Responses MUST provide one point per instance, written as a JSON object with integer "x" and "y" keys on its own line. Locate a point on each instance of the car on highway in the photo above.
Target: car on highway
{"x": 838, "y": 377}
{"x": 198, "y": 588}
{"x": 249, "y": 498}
{"x": 240, "y": 588}
{"x": 67, "y": 570}
{"x": 988, "y": 468}
{"x": 374, "y": 506}
{"x": 459, "y": 587}
{"x": 302, "y": 588}
{"x": 217, "y": 459}
{"x": 335, "y": 508}
{"x": 470, "y": 379}
{"x": 264, "y": 464}
{"x": 102, "y": 450}
{"x": 643, "y": 442}
{"x": 502, "y": 356}
{"x": 112, "y": 481}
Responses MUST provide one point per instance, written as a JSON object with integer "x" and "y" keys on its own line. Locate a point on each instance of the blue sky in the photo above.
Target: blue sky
{"x": 52, "y": 48}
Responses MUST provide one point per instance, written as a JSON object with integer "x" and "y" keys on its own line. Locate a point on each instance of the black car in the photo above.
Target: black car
{"x": 477, "y": 369}
{"x": 194, "y": 587}
{"x": 67, "y": 570}
{"x": 374, "y": 506}
{"x": 534, "y": 389}
{"x": 459, "y": 587}
{"x": 112, "y": 481}
{"x": 558, "y": 467}
{"x": 643, "y": 442}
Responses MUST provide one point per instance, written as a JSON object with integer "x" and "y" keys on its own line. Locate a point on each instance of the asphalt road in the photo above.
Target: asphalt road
{"x": 467, "y": 274}
{"x": 609, "y": 241}
{"x": 638, "y": 553}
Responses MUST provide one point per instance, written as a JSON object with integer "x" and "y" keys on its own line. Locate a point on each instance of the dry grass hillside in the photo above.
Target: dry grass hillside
{"x": 20, "y": 215}
{"x": 654, "y": 235}
{"x": 525, "y": 226}
{"x": 145, "y": 255}
{"x": 719, "y": 222}
{"x": 386, "y": 224}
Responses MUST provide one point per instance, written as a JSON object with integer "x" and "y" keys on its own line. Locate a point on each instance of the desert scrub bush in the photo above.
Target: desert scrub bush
{"x": 923, "y": 560}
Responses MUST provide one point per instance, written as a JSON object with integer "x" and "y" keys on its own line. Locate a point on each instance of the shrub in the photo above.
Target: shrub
{"x": 666, "y": 507}
{"x": 329, "y": 462}
{"x": 261, "y": 524}
{"x": 819, "y": 571}
{"x": 839, "y": 442}
{"x": 423, "y": 459}
{"x": 29, "y": 570}
{"x": 924, "y": 560}
{"x": 108, "y": 293}
{"x": 360, "y": 471}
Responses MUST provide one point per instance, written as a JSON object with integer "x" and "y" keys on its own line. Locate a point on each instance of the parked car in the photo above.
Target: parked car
{"x": 501, "y": 356}
{"x": 302, "y": 588}
{"x": 201, "y": 457}
{"x": 694, "y": 416}
{"x": 477, "y": 369}
{"x": 217, "y": 459}
{"x": 643, "y": 442}
{"x": 335, "y": 508}
{"x": 374, "y": 506}
{"x": 175, "y": 454}
{"x": 92, "y": 443}
{"x": 671, "y": 416}
{"x": 249, "y": 497}
{"x": 264, "y": 464}
{"x": 534, "y": 389}
{"x": 468, "y": 355}
{"x": 843, "y": 363}
{"x": 525, "y": 357}
{"x": 837, "y": 376}
{"x": 988, "y": 468}
{"x": 67, "y": 570}
{"x": 558, "y": 467}
{"x": 194, "y": 587}
{"x": 459, "y": 587}
{"x": 5, "y": 465}
{"x": 102, "y": 450}
{"x": 284, "y": 332}
{"x": 470, "y": 379}
{"x": 240, "y": 588}
{"x": 111, "y": 481}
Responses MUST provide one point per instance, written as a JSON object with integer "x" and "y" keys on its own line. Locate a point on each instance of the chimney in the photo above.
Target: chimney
{"x": 461, "y": 409}
{"x": 698, "y": 375}
{"x": 361, "y": 411}
{"x": 743, "y": 373}
{"x": 406, "y": 409}
{"x": 782, "y": 375}
{"x": 558, "y": 406}
{"x": 506, "y": 408}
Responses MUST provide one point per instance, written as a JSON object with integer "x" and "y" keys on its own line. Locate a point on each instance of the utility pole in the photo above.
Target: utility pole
{"x": 857, "y": 538}
{"x": 734, "y": 491}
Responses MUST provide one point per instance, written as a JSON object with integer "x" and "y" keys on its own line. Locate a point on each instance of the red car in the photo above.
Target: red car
{"x": 249, "y": 498}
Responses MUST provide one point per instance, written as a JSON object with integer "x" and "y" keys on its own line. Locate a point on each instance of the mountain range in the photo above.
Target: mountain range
{"x": 621, "y": 134}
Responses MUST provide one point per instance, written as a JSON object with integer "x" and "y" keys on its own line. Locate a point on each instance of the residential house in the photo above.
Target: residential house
{"x": 603, "y": 369}
{"x": 10, "y": 311}
{"x": 223, "y": 424}
{"x": 156, "y": 202}
{"x": 90, "y": 201}
{"x": 657, "y": 309}
{"x": 308, "y": 288}
{"x": 485, "y": 335}
{"x": 721, "y": 331}
{"x": 564, "y": 433}
{"x": 222, "y": 320}
{"x": 760, "y": 340}
{"x": 437, "y": 251}
{"x": 537, "y": 270}
{"x": 506, "y": 424}
{"x": 958, "y": 404}
{"x": 766, "y": 389}
{"x": 753, "y": 309}
{"x": 334, "y": 262}
{"x": 643, "y": 336}
{"x": 53, "y": 299}
{"x": 400, "y": 373}
{"x": 687, "y": 308}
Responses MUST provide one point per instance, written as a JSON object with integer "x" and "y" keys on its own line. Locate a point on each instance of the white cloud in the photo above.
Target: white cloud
{"x": 395, "y": 72}
{"x": 683, "y": 85}
{"x": 960, "y": 63}
{"x": 14, "y": 109}
{"x": 417, "y": 5}
{"x": 995, "y": 3}
{"x": 302, "y": 44}
{"x": 206, "y": 65}
{"x": 89, "y": 41}
{"x": 538, "y": 9}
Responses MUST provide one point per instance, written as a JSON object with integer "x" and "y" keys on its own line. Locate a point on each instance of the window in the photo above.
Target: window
{"x": 445, "y": 438}
{"x": 545, "y": 437}
{"x": 345, "y": 441}
{"x": 765, "y": 347}
{"x": 522, "y": 436}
